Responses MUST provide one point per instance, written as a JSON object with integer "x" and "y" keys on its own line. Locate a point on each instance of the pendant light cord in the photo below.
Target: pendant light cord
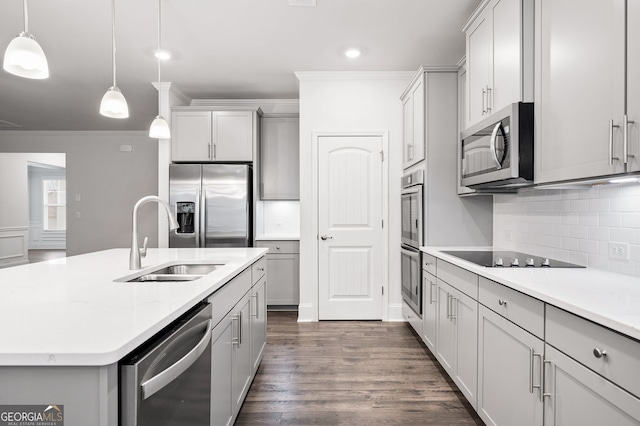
{"x": 158, "y": 53}
{"x": 26, "y": 17}
{"x": 113, "y": 38}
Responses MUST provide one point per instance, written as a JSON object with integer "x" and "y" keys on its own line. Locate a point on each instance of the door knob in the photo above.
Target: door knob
{"x": 325, "y": 237}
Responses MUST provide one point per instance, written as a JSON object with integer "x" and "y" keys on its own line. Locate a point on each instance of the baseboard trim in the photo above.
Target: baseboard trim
{"x": 395, "y": 312}
{"x": 307, "y": 313}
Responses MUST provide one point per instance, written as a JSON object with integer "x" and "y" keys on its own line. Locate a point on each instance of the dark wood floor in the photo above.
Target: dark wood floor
{"x": 350, "y": 373}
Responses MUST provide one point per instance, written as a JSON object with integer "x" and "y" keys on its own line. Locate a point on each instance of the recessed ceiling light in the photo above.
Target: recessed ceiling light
{"x": 352, "y": 53}
{"x": 307, "y": 3}
{"x": 162, "y": 54}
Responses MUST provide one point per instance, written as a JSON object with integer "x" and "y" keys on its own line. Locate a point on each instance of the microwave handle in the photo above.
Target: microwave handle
{"x": 492, "y": 146}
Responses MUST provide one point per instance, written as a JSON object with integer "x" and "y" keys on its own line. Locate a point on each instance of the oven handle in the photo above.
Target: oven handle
{"x": 159, "y": 381}
{"x": 492, "y": 146}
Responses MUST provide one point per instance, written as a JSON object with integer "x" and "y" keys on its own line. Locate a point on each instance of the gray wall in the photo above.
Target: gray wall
{"x": 108, "y": 181}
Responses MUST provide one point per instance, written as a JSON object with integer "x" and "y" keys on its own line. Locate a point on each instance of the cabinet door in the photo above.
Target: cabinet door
{"x": 233, "y": 135}
{"x": 445, "y": 333}
{"x": 407, "y": 131}
{"x": 242, "y": 366}
{"x": 284, "y": 279}
{"x": 507, "y": 54}
{"x": 279, "y": 158}
{"x": 429, "y": 310}
{"x": 633, "y": 82}
{"x": 578, "y": 396}
{"x": 419, "y": 120}
{"x": 464, "y": 315}
{"x": 413, "y": 115}
{"x": 258, "y": 321}
{"x": 478, "y": 68}
{"x": 509, "y": 366}
{"x": 580, "y": 88}
{"x": 221, "y": 365}
{"x": 191, "y": 136}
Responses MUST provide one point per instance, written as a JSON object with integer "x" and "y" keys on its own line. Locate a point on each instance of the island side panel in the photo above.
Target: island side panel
{"x": 89, "y": 394}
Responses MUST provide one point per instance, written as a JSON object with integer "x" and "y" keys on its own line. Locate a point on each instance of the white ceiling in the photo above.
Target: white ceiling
{"x": 222, "y": 49}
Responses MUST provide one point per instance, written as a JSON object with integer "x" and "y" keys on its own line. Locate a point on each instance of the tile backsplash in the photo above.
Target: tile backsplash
{"x": 573, "y": 225}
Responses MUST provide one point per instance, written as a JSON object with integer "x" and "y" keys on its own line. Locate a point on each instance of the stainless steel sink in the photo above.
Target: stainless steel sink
{"x": 187, "y": 269}
{"x": 174, "y": 273}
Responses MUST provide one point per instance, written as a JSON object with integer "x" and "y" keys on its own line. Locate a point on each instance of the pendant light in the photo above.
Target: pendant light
{"x": 159, "y": 128}
{"x": 24, "y": 57}
{"x": 113, "y": 103}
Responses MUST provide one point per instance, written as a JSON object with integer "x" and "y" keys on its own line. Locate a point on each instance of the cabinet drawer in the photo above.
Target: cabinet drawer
{"x": 429, "y": 263}
{"x": 258, "y": 269}
{"x": 580, "y": 338}
{"x": 463, "y": 280}
{"x": 519, "y": 308}
{"x": 275, "y": 247}
{"x": 223, "y": 300}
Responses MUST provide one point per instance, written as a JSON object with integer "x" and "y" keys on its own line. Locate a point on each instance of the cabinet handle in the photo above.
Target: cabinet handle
{"x": 240, "y": 328}
{"x": 599, "y": 353}
{"x": 209, "y": 145}
{"x": 489, "y": 99}
{"x": 431, "y": 286}
{"x": 448, "y": 305}
{"x": 277, "y": 247}
{"x": 454, "y": 302}
{"x": 255, "y": 296}
{"x": 611, "y": 127}
{"x": 502, "y": 302}
{"x": 531, "y": 352}
{"x": 538, "y": 386}
{"x": 625, "y": 138}
{"x": 544, "y": 369}
{"x": 484, "y": 93}
{"x": 410, "y": 152}
{"x": 236, "y": 339}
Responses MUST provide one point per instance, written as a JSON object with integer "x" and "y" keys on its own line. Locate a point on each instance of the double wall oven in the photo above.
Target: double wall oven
{"x": 412, "y": 217}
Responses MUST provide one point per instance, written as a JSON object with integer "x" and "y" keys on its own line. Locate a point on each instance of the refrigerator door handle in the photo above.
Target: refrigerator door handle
{"x": 202, "y": 211}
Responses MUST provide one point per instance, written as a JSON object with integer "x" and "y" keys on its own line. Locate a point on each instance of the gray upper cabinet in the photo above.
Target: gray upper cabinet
{"x": 279, "y": 158}
{"x": 580, "y": 89}
{"x": 499, "y": 52}
{"x": 413, "y": 122}
{"x": 208, "y": 136}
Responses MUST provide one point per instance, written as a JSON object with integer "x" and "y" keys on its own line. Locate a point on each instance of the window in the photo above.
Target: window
{"x": 55, "y": 204}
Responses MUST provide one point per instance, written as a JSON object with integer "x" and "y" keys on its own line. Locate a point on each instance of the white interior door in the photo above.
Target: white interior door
{"x": 350, "y": 227}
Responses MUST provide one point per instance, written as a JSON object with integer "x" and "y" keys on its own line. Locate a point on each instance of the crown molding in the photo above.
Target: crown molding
{"x": 267, "y": 106}
{"x": 353, "y": 75}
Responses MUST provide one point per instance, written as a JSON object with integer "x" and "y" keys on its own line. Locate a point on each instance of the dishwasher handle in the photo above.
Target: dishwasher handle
{"x": 160, "y": 380}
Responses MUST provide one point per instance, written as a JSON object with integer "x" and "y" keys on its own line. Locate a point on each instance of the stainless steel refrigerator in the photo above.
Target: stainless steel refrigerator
{"x": 213, "y": 205}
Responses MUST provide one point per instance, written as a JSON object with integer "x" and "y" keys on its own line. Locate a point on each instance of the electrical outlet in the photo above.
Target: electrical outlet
{"x": 619, "y": 251}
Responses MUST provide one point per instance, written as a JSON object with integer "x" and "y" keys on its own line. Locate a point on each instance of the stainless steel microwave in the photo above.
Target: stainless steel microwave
{"x": 498, "y": 151}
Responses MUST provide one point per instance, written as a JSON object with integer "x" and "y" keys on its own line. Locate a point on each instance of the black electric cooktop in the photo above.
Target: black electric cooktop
{"x": 509, "y": 259}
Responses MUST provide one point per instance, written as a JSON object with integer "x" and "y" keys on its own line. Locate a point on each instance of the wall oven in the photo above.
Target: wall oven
{"x": 411, "y": 239}
{"x": 498, "y": 151}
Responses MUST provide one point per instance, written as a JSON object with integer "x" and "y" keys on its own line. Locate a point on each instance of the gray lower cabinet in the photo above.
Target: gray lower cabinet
{"x": 238, "y": 341}
{"x": 283, "y": 262}
{"x": 519, "y": 361}
{"x": 509, "y": 369}
{"x": 575, "y": 395}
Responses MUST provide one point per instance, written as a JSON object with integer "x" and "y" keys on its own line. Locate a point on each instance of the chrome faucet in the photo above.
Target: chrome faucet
{"x": 137, "y": 252}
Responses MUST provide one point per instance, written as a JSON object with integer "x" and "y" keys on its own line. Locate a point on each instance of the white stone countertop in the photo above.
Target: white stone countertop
{"x": 71, "y": 311}
{"x": 274, "y": 237}
{"x": 606, "y": 298}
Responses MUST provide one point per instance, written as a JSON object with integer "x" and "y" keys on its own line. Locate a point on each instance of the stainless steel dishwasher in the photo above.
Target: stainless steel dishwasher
{"x": 168, "y": 380}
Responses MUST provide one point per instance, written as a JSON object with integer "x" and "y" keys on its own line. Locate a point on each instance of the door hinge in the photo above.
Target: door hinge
{"x": 382, "y": 155}
{"x": 383, "y": 223}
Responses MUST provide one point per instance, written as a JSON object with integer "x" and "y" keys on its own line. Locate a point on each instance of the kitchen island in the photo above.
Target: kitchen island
{"x": 65, "y": 324}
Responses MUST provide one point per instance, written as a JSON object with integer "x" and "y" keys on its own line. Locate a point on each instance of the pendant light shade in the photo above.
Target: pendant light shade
{"x": 113, "y": 104}
{"x": 159, "y": 127}
{"x": 24, "y": 57}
